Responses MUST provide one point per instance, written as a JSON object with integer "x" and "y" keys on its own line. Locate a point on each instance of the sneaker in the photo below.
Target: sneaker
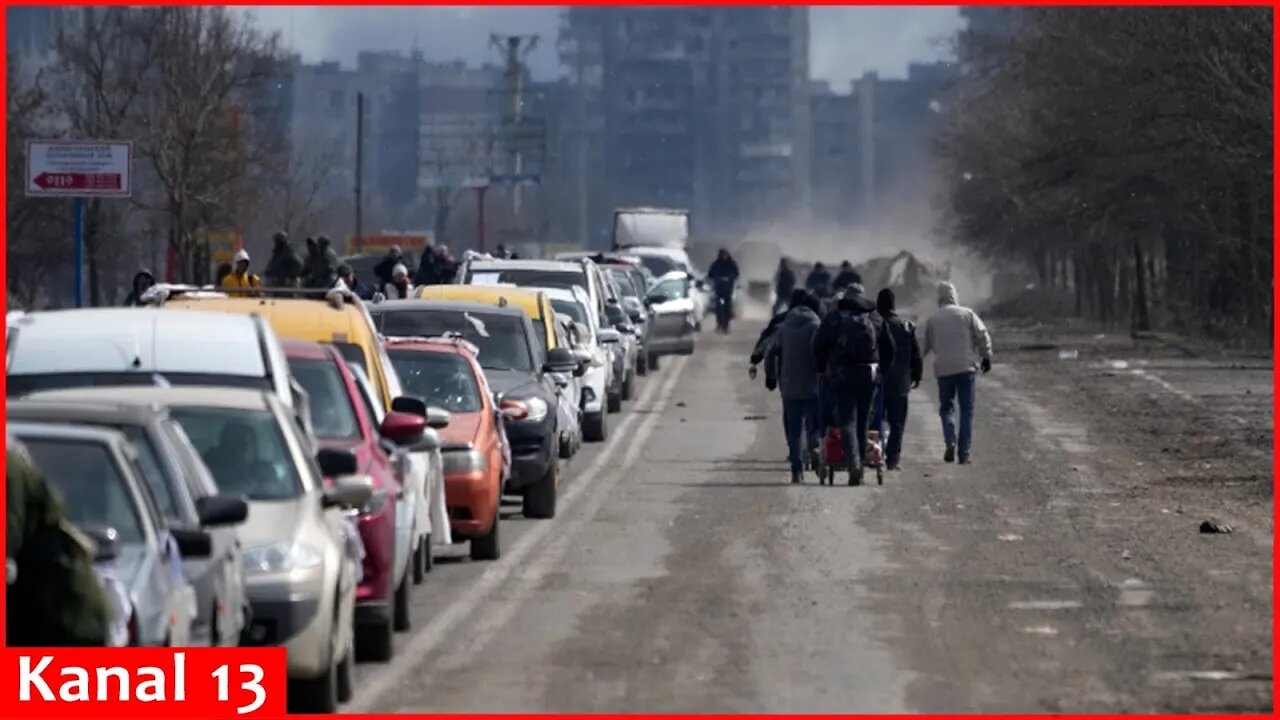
{"x": 796, "y": 476}
{"x": 950, "y": 455}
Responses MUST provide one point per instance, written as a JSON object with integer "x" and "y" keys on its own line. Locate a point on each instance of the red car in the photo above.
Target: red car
{"x": 343, "y": 421}
{"x": 477, "y": 458}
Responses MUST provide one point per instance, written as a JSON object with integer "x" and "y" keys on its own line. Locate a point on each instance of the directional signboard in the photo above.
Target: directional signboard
{"x": 79, "y": 168}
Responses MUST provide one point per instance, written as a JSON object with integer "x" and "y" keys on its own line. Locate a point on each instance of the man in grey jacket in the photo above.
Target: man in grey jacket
{"x": 792, "y": 347}
{"x": 961, "y": 346}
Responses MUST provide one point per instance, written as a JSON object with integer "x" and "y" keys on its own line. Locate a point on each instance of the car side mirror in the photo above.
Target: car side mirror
{"x": 336, "y": 462}
{"x": 625, "y": 328}
{"x": 221, "y": 510}
{"x": 192, "y": 543}
{"x": 349, "y": 491}
{"x": 561, "y": 380}
{"x": 437, "y": 418}
{"x": 584, "y": 361}
{"x": 609, "y": 336}
{"x": 560, "y": 360}
{"x": 402, "y": 428}
{"x": 105, "y": 545}
{"x": 654, "y": 299}
{"x": 410, "y": 405}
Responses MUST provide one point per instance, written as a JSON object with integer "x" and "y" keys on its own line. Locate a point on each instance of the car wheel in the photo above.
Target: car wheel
{"x": 376, "y": 642}
{"x": 401, "y": 611}
{"x": 346, "y": 679}
{"x": 629, "y": 387}
{"x": 615, "y": 402}
{"x": 653, "y": 361}
{"x": 419, "y": 571}
{"x": 319, "y": 696}
{"x": 595, "y": 427}
{"x": 539, "y": 502}
{"x": 642, "y": 364}
{"x": 489, "y": 546}
{"x": 428, "y": 561}
{"x": 566, "y": 447}
{"x": 215, "y": 639}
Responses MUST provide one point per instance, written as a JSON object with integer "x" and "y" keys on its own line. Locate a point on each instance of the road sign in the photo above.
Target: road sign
{"x": 384, "y": 242}
{"x": 79, "y": 168}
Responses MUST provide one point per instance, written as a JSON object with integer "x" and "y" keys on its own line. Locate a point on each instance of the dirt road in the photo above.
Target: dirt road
{"x": 1064, "y": 570}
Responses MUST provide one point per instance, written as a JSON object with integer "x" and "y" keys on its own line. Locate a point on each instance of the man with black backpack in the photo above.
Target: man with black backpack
{"x": 851, "y": 349}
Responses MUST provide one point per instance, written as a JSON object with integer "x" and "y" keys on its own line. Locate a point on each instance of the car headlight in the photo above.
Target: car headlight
{"x": 460, "y": 462}
{"x": 531, "y": 409}
{"x": 280, "y": 558}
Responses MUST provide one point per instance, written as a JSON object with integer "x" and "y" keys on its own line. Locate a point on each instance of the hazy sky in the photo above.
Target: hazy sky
{"x": 846, "y": 41}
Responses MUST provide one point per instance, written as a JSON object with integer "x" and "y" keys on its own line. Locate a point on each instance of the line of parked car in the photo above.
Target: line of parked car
{"x": 276, "y": 467}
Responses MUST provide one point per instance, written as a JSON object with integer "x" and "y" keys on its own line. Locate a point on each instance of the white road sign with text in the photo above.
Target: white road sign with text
{"x": 79, "y": 168}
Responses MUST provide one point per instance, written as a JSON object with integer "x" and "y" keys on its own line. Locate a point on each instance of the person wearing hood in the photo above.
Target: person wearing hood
{"x": 142, "y": 282}
{"x": 322, "y": 264}
{"x": 284, "y": 267}
{"x": 784, "y": 281}
{"x": 429, "y": 269}
{"x": 961, "y": 346}
{"x": 348, "y": 278}
{"x": 723, "y": 274}
{"x": 846, "y": 277}
{"x": 819, "y": 281}
{"x": 901, "y": 376}
{"x": 240, "y": 277}
{"x": 763, "y": 344}
{"x": 224, "y": 269}
{"x": 394, "y": 256}
{"x": 446, "y": 266}
{"x": 792, "y": 354}
{"x": 399, "y": 287}
{"x": 852, "y": 349}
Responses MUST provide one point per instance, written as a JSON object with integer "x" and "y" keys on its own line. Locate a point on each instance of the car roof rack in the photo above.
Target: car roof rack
{"x": 449, "y": 338}
{"x": 337, "y": 296}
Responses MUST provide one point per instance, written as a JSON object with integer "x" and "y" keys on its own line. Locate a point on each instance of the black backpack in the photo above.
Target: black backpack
{"x": 856, "y": 342}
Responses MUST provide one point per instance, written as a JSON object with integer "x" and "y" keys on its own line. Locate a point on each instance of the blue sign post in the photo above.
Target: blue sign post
{"x": 78, "y": 209}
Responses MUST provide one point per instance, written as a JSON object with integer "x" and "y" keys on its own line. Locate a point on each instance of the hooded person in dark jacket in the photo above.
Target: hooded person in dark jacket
{"x": 819, "y": 281}
{"x": 792, "y": 354}
{"x": 141, "y": 283}
{"x": 388, "y": 263}
{"x": 763, "y": 343}
{"x": 784, "y": 281}
{"x": 348, "y": 277}
{"x": 284, "y": 267}
{"x": 900, "y": 376}
{"x": 428, "y": 270}
{"x": 846, "y": 277}
{"x": 322, "y": 264}
{"x": 852, "y": 348}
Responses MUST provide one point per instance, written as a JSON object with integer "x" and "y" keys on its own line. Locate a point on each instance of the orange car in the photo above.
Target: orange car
{"x": 477, "y": 458}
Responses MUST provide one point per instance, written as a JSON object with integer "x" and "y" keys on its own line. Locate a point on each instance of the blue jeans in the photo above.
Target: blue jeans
{"x": 895, "y": 410}
{"x": 800, "y": 421}
{"x": 950, "y": 388}
{"x": 852, "y": 399}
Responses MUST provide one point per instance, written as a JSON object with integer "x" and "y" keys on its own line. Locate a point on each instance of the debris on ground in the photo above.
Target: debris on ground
{"x": 1214, "y": 527}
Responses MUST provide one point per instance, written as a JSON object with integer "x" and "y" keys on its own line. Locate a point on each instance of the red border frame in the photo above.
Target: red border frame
{"x": 1275, "y": 258}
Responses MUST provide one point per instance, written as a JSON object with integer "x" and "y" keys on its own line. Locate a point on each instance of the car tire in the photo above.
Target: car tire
{"x": 566, "y": 447}
{"x": 346, "y": 679}
{"x": 653, "y": 361}
{"x": 629, "y": 386}
{"x": 595, "y": 427}
{"x": 539, "y": 501}
{"x": 401, "y": 621}
{"x": 614, "y": 402}
{"x": 419, "y": 570}
{"x": 319, "y": 696}
{"x": 489, "y": 545}
{"x": 642, "y": 364}
{"x": 428, "y": 560}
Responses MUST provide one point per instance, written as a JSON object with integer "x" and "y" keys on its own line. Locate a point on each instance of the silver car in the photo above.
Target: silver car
{"x": 301, "y": 553}
{"x": 185, "y": 494}
{"x": 95, "y": 471}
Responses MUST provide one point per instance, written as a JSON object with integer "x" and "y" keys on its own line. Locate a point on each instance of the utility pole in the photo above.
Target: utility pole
{"x": 580, "y": 87}
{"x": 515, "y": 48}
{"x": 359, "y": 168}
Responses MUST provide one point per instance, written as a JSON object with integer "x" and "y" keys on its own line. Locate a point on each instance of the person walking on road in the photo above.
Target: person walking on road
{"x": 846, "y": 277}
{"x": 792, "y": 354}
{"x": 428, "y": 272}
{"x": 961, "y": 346}
{"x": 851, "y": 348}
{"x": 819, "y": 281}
{"x": 763, "y": 344}
{"x": 55, "y": 598}
{"x": 784, "y": 281}
{"x": 900, "y": 377}
{"x": 240, "y": 277}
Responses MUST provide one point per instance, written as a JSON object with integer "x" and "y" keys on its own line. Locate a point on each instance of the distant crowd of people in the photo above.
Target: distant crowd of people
{"x": 840, "y": 360}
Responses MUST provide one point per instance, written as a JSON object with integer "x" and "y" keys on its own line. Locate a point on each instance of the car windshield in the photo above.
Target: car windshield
{"x": 244, "y": 449}
{"x": 353, "y": 354}
{"x": 572, "y": 309}
{"x": 332, "y": 413}
{"x": 563, "y": 279}
{"x": 658, "y": 264}
{"x": 671, "y": 289}
{"x": 444, "y": 380}
{"x": 19, "y": 385}
{"x": 89, "y": 482}
{"x": 157, "y": 479}
{"x": 624, "y": 282}
{"x": 501, "y": 339}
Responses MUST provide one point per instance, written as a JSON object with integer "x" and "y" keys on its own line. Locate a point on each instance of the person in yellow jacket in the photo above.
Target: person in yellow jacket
{"x": 240, "y": 276}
